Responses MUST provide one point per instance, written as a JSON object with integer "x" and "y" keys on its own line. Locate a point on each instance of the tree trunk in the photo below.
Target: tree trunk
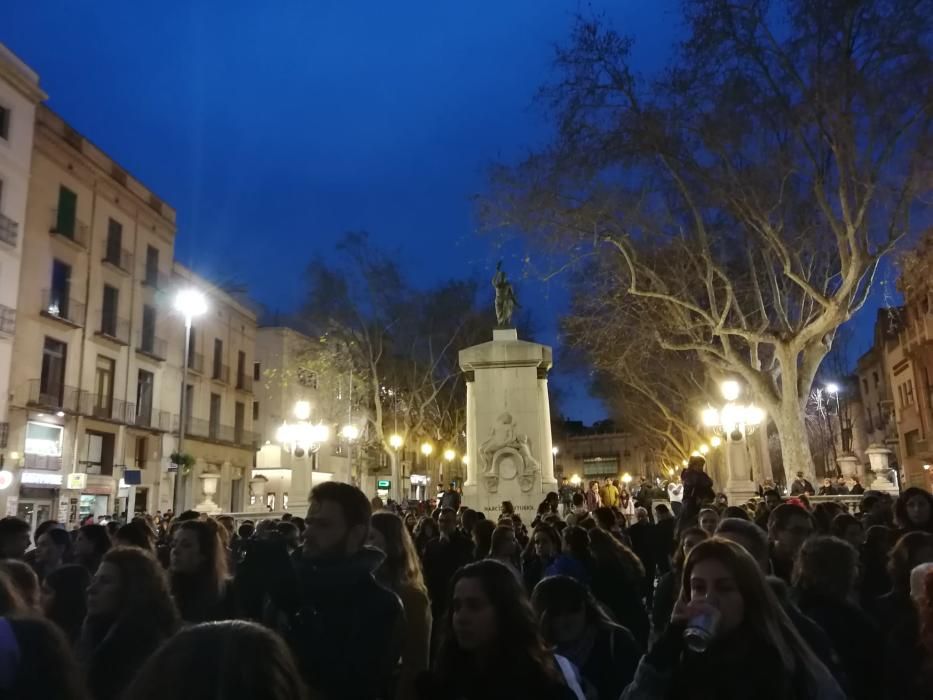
{"x": 395, "y": 491}
{"x": 795, "y": 447}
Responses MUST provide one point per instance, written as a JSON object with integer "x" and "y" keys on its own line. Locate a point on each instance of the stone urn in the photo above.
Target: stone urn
{"x": 880, "y": 459}
{"x": 209, "y": 483}
{"x": 849, "y": 465}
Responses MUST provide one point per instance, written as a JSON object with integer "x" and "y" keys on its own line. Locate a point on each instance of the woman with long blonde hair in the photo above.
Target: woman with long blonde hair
{"x": 401, "y": 572}
{"x": 738, "y": 635}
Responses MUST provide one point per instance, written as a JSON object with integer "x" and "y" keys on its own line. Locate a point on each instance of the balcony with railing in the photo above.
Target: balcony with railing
{"x": 106, "y": 407}
{"x": 71, "y": 229}
{"x": 196, "y": 362}
{"x": 215, "y": 432}
{"x": 52, "y": 396}
{"x": 156, "y": 420}
{"x": 148, "y": 344}
{"x": 57, "y": 305}
{"x": 9, "y": 231}
{"x": 244, "y": 382}
{"x": 220, "y": 373}
{"x": 7, "y": 320}
{"x": 119, "y": 258}
{"x": 155, "y": 279}
{"x": 113, "y": 328}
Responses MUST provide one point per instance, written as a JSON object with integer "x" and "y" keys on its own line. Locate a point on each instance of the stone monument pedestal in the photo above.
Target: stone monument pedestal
{"x": 739, "y": 485}
{"x": 508, "y": 425}
{"x": 880, "y": 459}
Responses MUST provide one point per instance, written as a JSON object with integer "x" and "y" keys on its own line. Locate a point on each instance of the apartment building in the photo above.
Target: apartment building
{"x": 220, "y": 401}
{"x": 89, "y": 354}
{"x": 282, "y": 481}
{"x": 19, "y": 94}
{"x": 872, "y": 373}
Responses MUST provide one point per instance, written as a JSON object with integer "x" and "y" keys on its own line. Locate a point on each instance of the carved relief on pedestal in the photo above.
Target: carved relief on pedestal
{"x": 506, "y": 454}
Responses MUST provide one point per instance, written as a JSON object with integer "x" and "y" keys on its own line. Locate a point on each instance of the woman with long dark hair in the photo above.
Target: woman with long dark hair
{"x": 740, "y": 635}
{"x": 913, "y": 511}
{"x": 200, "y": 585}
{"x": 425, "y": 531}
{"x": 619, "y": 583}
{"x": 668, "y": 590}
{"x": 574, "y": 560}
{"x": 540, "y": 552}
{"x": 91, "y": 544}
{"x": 491, "y": 648}
{"x": 36, "y": 662}
{"x": 129, "y": 614}
{"x": 401, "y": 572}
{"x": 580, "y": 629}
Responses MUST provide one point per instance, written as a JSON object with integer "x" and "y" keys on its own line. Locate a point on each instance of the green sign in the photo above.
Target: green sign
{"x": 383, "y": 484}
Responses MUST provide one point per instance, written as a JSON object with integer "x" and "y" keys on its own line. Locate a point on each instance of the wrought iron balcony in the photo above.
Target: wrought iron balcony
{"x": 7, "y": 320}
{"x": 9, "y": 231}
{"x": 70, "y": 229}
{"x": 119, "y": 258}
{"x": 196, "y": 362}
{"x": 53, "y": 396}
{"x": 113, "y": 328}
{"x": 220, "y": 373}
{"x": 56, "y": 305}
{"x": 244, "y": 383}
{"x": 106, "y": 407}
{"x": 208, "y": 430}
{"x": 156, "y": 279}
{"x": 156, "y": 420}
{"x": 150, "y": 345}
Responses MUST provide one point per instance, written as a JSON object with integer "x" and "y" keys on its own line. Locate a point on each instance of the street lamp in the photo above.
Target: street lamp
{"x": 703, "y": 449}
{"x": 426, "y": 449}
{"x": 396, "y": 441}
{"x": 349, "y": 432}
{"x": 190, "y": 303}
{"x": 555, "y": 450}
{"x": 575, "y": 479}
{"x": 450, "y": 455}
{"x": 302, "y": 437}
{"x": 734, "y": 420}
{"x": 715, "y": 441}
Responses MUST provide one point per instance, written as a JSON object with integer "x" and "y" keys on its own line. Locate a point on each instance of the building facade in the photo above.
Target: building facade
{"x": 96, "y": 251}
{"x": 19, "y": 94}
{"x": 597, "y": 456}
{"x": 874, "y": 387}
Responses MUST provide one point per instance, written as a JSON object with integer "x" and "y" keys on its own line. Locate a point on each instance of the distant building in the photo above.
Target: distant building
{"x": 593, "y": 454}
{"x": 874, "y": 386}
{"x": 19, "y": 95}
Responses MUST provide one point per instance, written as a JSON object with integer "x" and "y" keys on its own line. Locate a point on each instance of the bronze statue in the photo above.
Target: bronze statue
{"x": 506, "y": 302}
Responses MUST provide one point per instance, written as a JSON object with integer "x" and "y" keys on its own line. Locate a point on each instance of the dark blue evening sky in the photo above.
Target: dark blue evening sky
{"x": 274, "y": 127}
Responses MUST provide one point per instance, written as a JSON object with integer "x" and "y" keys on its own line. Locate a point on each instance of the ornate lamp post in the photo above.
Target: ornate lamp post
{"x": 734, "y": 423}
{"x": 303, "y": 437}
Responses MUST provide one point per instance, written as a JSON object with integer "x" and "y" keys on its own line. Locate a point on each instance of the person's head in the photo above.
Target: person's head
{"x": 788, "y": 528}
{"x": 914, "y": 510}
{"x": 137, "y": 534}
{"x": 338, "y": 521}
{"x": 689, "y": 538}
{"x": 827, "y": 482}
{"x": 24, "y": 579}
{"x": 911, "y": 550}
{"x": 482, "y": 537}
{"x": 36, "y": 662}
{"x": 14, "y": 537}
{"x": 235, "y": 660}
{"x": 426, "y": 528}
{"x": 662, "y": 512}
{"x": 605, "y": 518}
{"x": 447, "y": 521}
{"x": 747, "y": 535}
{"x": 594, "y": 486}
{"x": 607, "y": 481}
{"x": 641, "y": 514}
{"x": 51, "y": 547}
{"x": 288, "y": 531}
{"x": 546, "y": 541}
{"x": 552, "y": 499}
{"x": 565, "y": 608}
{"x": 91, "y": 542}
{"x": 197, "y": 550}
{"x": 576, "y": 542}
{"x": 130, "y": 582}
{"x": 411, "y": 520}
{"x": 847, "y": 527}
{"x": 489, "y": 615}
{"x": 401, "y": 566}
{"x": 772, "y": 498}
{"x": 735, "y": 512}
{"x": 876, "y": 505}
{"x": 507, "y": 508}
{"x": 503, "y": 544}
{"x": 800, "y": 475}
{"x": 708, "y": 520}
{"x": 826, "y": 566}
{"x": 578, "y": 500}
{"x": 64, "y": 593}
{"x": 697, "y": 463}
{"x": 841, "y": 481}
{"x": 246, "y": 530}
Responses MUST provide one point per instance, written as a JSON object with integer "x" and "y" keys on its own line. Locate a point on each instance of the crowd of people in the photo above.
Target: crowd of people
{"x": 774, "y": 598}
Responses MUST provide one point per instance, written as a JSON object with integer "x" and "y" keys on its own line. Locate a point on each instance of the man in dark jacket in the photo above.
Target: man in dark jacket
{"x": 698, "y": 490}
{"x": 800, "y": 486}
{"x": 443, "y": 555}
{"x": 641, "y": 534}
{"x": 348, "y": 632}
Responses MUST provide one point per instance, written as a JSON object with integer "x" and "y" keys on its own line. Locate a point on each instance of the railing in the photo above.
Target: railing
{"x": 119, "y": 258}
{"x": 4, "y": 435}
{"x": 155, "y": 279}
{"x": 114, "y": 328}
{"x": 55, "y": 305}
{"x": 7, "y": 319}
{"x": 74, "y": 230}
{"x": 156, "y": 420}
{"x": 61, "y": 398}
{"x": 9, "y": 231}
{"x": 106, "y": 408}
{"x": 244, "y": 383}
{"x": 198, "y": 427}
{"x": 221, "y": 373}
{"x": 151, "y": 345}
{"x": 196, "y": 363}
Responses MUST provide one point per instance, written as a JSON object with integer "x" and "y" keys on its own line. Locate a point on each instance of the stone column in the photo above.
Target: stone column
{"x": 739, "y": 487}
{"x": 471, "y": 441}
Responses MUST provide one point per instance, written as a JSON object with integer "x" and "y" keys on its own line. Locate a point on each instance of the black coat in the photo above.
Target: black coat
{"x": 854, "y": 637}
{"x": 442, "y": 557}
{"x": 896, "y": 617}
{"x": 348, "y": 632}
{"x": 613, "y": 587}
{"x": 111, "y": 654}
{"x": 664, "y": 543}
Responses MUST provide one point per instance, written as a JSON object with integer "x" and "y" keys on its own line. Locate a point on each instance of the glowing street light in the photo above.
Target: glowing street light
{"x": 626, "y": 478}
{"x": 730, "y": 389}
{"x": 450, "y": 455}
{"x": 302, "y": 410}
{"x": 426, "y": 449}
{"x": 349, "y": 432}
{"x": 575, "y": 479}
{"x": 715, "y": 441}
{"x": 465, "y": 460}
{"x": 703, "y": 449}
{"x": 395, "y": 441}
{"x": 555, "y": 450}
{"x": 832, "y": 388}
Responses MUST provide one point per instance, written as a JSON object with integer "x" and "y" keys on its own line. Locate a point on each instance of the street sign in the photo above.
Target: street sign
{"x": 383, "y": 484}
{"x": 77, "y": 481}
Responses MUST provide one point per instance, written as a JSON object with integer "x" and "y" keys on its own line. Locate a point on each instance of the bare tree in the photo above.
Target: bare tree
{"x": 749, "y": 191}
